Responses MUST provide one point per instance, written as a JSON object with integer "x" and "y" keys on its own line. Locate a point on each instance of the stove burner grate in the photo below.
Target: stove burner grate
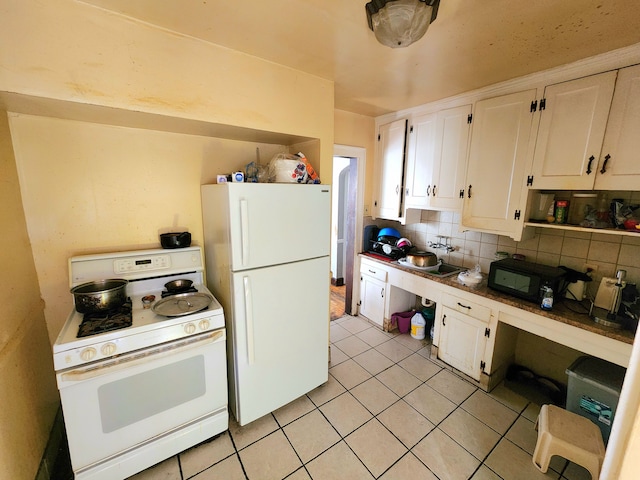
{"x": 94, "y": 323}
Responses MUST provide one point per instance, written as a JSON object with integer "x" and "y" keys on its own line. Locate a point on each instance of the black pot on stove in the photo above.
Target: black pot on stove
{"x": 175, "y": 240}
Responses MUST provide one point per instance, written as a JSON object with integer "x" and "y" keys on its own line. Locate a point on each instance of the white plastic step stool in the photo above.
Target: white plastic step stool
{"x": 569, "y": 435}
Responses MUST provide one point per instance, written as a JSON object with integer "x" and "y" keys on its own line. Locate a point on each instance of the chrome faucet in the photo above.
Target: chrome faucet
{"x": 442, "y": 246}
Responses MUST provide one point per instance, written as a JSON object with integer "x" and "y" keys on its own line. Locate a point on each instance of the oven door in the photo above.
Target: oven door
{"x": 112, "y": 406}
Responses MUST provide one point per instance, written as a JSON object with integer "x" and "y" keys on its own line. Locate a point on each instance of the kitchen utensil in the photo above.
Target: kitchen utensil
{"x": 432, "y": 268}
{"x": 389, "y": 232}
{"x": 604, "y": 296}
{"x": 182, "y": 304}
{"x": 178, "y": 285}
{"x": 403, "y": 243}
{"x": 470, "y": 278}
{"x": 175, "y": 240}
{"x": 100, "y": 295}
{"x": 422, "y": 259}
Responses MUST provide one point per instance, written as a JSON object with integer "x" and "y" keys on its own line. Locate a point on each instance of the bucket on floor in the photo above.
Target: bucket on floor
{"x": 402, "y": 320}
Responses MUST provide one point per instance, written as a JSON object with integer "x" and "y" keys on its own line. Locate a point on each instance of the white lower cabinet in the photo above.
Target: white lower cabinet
{"x": 372, "y": 297}
{"x": 464, "y": 329}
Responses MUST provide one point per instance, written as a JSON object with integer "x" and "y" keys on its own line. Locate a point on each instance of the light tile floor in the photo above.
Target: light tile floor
{"x": 387, "y": 412}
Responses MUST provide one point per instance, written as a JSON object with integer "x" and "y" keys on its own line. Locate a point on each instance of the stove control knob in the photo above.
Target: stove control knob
{"x": 88, "y": 353}
{"x": 189, "y": 328}
{"x": 204, "y": 324}
{"x": 108, "y": 349}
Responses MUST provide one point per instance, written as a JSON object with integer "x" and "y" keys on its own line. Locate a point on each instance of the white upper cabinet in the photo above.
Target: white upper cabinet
{"x": 495, "y": 181}
{"x": 619, "y": 167}
{"x": 390, "y": 169}
{"x": 452, "y": 143}
{"x": 437, "y": 159}
{"x": 572, "y": 127}
{"x": 420, "y": 161}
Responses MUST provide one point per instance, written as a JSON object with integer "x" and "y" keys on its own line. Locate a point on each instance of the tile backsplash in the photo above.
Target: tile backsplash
{"x": 548, "y": 246}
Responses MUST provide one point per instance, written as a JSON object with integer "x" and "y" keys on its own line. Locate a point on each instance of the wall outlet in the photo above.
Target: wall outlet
{"x": 589, "y": 266}
{"x": 366, "y": 209}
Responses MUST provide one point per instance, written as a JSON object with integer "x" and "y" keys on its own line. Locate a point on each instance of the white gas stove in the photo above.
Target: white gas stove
{"x": 153, "y": 386}
{"x": 147, "y": 272}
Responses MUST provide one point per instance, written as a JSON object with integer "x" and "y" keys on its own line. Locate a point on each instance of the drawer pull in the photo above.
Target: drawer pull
{"x": 372, "y": 271}
{"x": 464, "y": 306}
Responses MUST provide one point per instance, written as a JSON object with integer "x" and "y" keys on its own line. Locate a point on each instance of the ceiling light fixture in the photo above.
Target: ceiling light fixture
{"x": 399, "y": 23}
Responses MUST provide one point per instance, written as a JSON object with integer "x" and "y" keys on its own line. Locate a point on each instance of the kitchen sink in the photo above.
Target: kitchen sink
{"x": 445, "y": 270}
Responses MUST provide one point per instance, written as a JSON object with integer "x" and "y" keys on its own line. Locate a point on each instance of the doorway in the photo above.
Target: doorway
{"x": 346, "y": 223}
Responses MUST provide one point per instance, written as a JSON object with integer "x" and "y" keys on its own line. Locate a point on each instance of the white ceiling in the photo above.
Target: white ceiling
{"x": 472, "y": 43}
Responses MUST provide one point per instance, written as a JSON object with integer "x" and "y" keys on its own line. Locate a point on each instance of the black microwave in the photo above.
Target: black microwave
{"x": 523, "y": 279}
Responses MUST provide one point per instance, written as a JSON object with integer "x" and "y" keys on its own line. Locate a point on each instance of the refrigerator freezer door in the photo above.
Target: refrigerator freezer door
{"x": 270, "y": 223}
{"x": 280, "y": 336}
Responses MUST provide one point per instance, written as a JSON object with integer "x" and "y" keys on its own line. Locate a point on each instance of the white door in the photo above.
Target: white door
{"x": 391, "y": 150}
{"x": 420, "y": 160}
{"x": 462, "y": 342}
{"x": 140, "y": 397}
{"x": 270, "y": 224}
{"x": 622, "y": 141}
{"x": 372, "y": 294}
{"x": 450, "y": 167}
{"x": 497, "y": 160}
{"x": 280, "y": 335}
{"x": 572, "y": 127}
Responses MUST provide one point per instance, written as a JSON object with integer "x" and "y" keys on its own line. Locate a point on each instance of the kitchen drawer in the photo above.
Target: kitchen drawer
{"x": 467, "y": 307}
{"x": 373, "y": 270}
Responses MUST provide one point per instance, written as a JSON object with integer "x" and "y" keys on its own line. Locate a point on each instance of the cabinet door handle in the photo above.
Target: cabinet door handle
{"x": 434, "y": 190}
{"x": 591, "y": 159}
{"x": 397, "y": 189}
{"x": 444, "y": 317}
{"x": 464, "y": 306}
{"x": 382, "y": 292}
{"x": 428, "y": 190}
{"x": 604, "y": 165}
{"x": 469, "y": 192}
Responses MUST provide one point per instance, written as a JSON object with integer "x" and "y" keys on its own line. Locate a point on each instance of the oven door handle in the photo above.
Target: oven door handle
{"x": 134, "y": 359}
{"x": 248, "y": 315}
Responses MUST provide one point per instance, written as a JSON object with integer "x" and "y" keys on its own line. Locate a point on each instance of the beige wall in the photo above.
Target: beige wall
{"x": 71, "y": 51}
{"x": 28, "y": 393}
{"x": 90, "y": 188}
{"x": 356, "y": 130}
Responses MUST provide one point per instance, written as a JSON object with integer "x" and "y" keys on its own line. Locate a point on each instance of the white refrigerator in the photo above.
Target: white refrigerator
{"x": 267, "y": 262}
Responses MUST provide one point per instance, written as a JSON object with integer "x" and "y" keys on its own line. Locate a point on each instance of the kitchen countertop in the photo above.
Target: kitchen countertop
{"x": 564, "y": 310}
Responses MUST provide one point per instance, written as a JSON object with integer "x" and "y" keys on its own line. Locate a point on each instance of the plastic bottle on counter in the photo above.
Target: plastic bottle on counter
{"x": 547, "y": 297}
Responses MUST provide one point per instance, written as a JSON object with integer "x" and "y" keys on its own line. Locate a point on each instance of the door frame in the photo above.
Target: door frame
{"x": 359, "y": 155}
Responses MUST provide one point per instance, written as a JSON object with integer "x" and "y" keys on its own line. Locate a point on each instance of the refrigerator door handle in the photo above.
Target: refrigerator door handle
{"x": 248, "y": 305}
{"x": 244, "y": 230}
